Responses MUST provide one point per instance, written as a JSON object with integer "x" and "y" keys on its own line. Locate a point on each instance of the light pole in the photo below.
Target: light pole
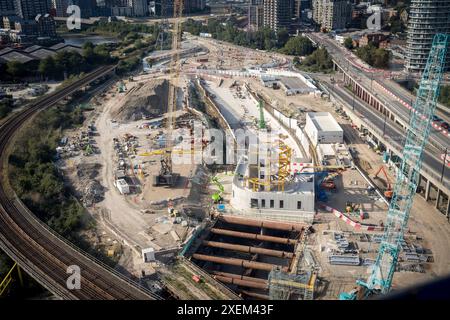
{"x": 443, "y": 164}
{"x": 353, "y": 101}
{"x": 371, "y": 80}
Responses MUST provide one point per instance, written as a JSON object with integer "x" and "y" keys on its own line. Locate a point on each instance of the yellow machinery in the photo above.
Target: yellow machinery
{"x": 284, "y": 171}
{"x": 7, "y": 280}
{"x": 164, "y": 151}
{"x": 166, "y": 176}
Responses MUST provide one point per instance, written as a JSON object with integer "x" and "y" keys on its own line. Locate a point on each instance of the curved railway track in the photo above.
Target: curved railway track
{"x": 35, "y": 247}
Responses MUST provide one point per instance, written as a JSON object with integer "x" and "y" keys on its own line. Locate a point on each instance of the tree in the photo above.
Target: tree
{"x": 376, "y": 57}
{"x": 282, "y": 37}
{"x": 298, "y": 46}
{"x": 318, "y": 61}
{"x": 15, "y": 69}
{"x": 444, "y": 96}
{"x": 88, "y": 45}
{"x": 348, "y": 43}
{"x": 47, "y": 67}
{"x": 381, "y": 58}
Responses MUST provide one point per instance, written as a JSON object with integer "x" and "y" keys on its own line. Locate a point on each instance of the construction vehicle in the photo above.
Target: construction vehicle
{"x": 417, "y": 135}
{"x": 217, "y": 196}
{"x": 166, "y": 177}
{"x": 388, "y": 192}
{"x": 121, "y": 87}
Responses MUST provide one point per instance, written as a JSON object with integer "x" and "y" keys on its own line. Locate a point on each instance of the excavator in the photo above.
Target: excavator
{"x": 217, "y": 196}
{"x": 407, "y": 180}
{"x": 388, "y": 192}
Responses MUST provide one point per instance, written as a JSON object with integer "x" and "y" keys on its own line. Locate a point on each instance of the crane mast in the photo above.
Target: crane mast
{"x": 418, "y": 132}
{"x": 166, "y": 175}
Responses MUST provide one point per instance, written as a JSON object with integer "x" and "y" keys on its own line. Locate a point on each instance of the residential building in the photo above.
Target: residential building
{"x": 332, "y": 14}
{"x": 190, "y": 6}
{"x": 255, "y": 14}
{"x": 140, "y": 7}
{"x": 60, "y": 7}
{"x": 29, "y": 9}
{"x": 375, "y": 38}
{"x": 7, "y": 8}
{"x": 426, "y": 18}
{"x": 277, "y": 14}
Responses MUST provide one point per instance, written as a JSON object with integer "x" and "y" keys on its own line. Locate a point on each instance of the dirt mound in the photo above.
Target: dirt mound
{"x": 150, "y": 100}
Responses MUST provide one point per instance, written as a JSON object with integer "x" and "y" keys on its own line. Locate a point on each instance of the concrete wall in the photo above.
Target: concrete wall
{"x": 241, "y": 200}
{"x": 322, "y": 136}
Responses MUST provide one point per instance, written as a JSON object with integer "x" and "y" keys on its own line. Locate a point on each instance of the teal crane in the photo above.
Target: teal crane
{"x": 418, "y": 132}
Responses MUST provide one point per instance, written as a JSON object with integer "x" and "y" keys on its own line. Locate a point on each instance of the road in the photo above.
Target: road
{"x": 373, "y": 81}
{"x": 393, "y": 133}
{"x": 37, "y": 249}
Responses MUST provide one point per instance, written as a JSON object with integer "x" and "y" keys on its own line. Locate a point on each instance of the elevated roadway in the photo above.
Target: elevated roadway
{"x": 392, "y": 137}
{"x": 36, "y": 248}
{"x": 384, "y": 99}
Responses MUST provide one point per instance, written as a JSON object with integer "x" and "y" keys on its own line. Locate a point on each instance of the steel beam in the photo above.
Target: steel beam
{"x": 255, "y": 295}
{"x": 249, "y": 249}
{"x": 238, "y": 276}
{"x": 254, "y": 236}
{"x": 238, "y": 262}
{"x": 285, "y": 226}
{"x": 242, "y": 283}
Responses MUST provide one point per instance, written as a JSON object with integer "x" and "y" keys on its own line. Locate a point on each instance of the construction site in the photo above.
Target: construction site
{"x": 289, "y": 202}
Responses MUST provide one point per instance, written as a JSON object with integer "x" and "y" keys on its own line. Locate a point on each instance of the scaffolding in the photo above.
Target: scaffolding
{"x": 288, "y": 286}
{"x": 284, "y": 171}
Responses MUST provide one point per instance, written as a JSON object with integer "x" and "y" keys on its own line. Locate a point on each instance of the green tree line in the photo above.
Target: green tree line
{"x": 62, "y": 64}
{"x": 6, "y": 106}
{"x": 376, "y": 57}
{"x": 444, "y": 96}
{"x": 36, "y": 179}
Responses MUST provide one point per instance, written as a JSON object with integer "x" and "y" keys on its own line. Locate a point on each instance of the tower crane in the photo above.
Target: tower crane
{"x": 418, "y": 132}
{"x": 166, "y": 176}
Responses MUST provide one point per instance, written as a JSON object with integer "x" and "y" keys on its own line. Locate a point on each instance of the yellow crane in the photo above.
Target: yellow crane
{"x": 166, "y": 176}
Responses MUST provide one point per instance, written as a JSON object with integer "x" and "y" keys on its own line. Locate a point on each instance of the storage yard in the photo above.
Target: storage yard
{"x": 303, "y": 221}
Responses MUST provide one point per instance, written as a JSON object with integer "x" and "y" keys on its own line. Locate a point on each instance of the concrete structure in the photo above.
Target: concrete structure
{"x": 426, "y": 18}
{"x": 190, "y": 6}
{"x": 322, "y": 128}
{"x": 6, "y": 8}
{"x": 295, "y": 203}
{"x": 375, "y": 38}
{"x": 60, "y": 7}
{"x": 148, "y": 255}
{"x": 140, "y": 7}
{"x": 277, "y": 14}
{"x": 29, "y": 9}
{"x": 332, "y": 14}
{"x": 255, "y": 14}
{"x": 434, "y": 183}
{"x": 123, "y": 186}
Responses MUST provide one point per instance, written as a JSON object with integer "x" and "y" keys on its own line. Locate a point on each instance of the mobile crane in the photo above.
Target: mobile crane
{"x": 418, "y": 132}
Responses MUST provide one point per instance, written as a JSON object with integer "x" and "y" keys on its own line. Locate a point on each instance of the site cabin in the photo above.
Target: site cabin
{"x": 122, "y": 186}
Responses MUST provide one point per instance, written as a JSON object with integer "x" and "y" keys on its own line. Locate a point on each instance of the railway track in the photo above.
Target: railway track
{"x": 34, "y": 246}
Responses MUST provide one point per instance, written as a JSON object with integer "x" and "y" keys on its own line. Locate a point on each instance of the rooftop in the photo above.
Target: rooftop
{"x": 301, "y": 183}
{"x": 324, "y": 121}
{"x": 17, "y": 56}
